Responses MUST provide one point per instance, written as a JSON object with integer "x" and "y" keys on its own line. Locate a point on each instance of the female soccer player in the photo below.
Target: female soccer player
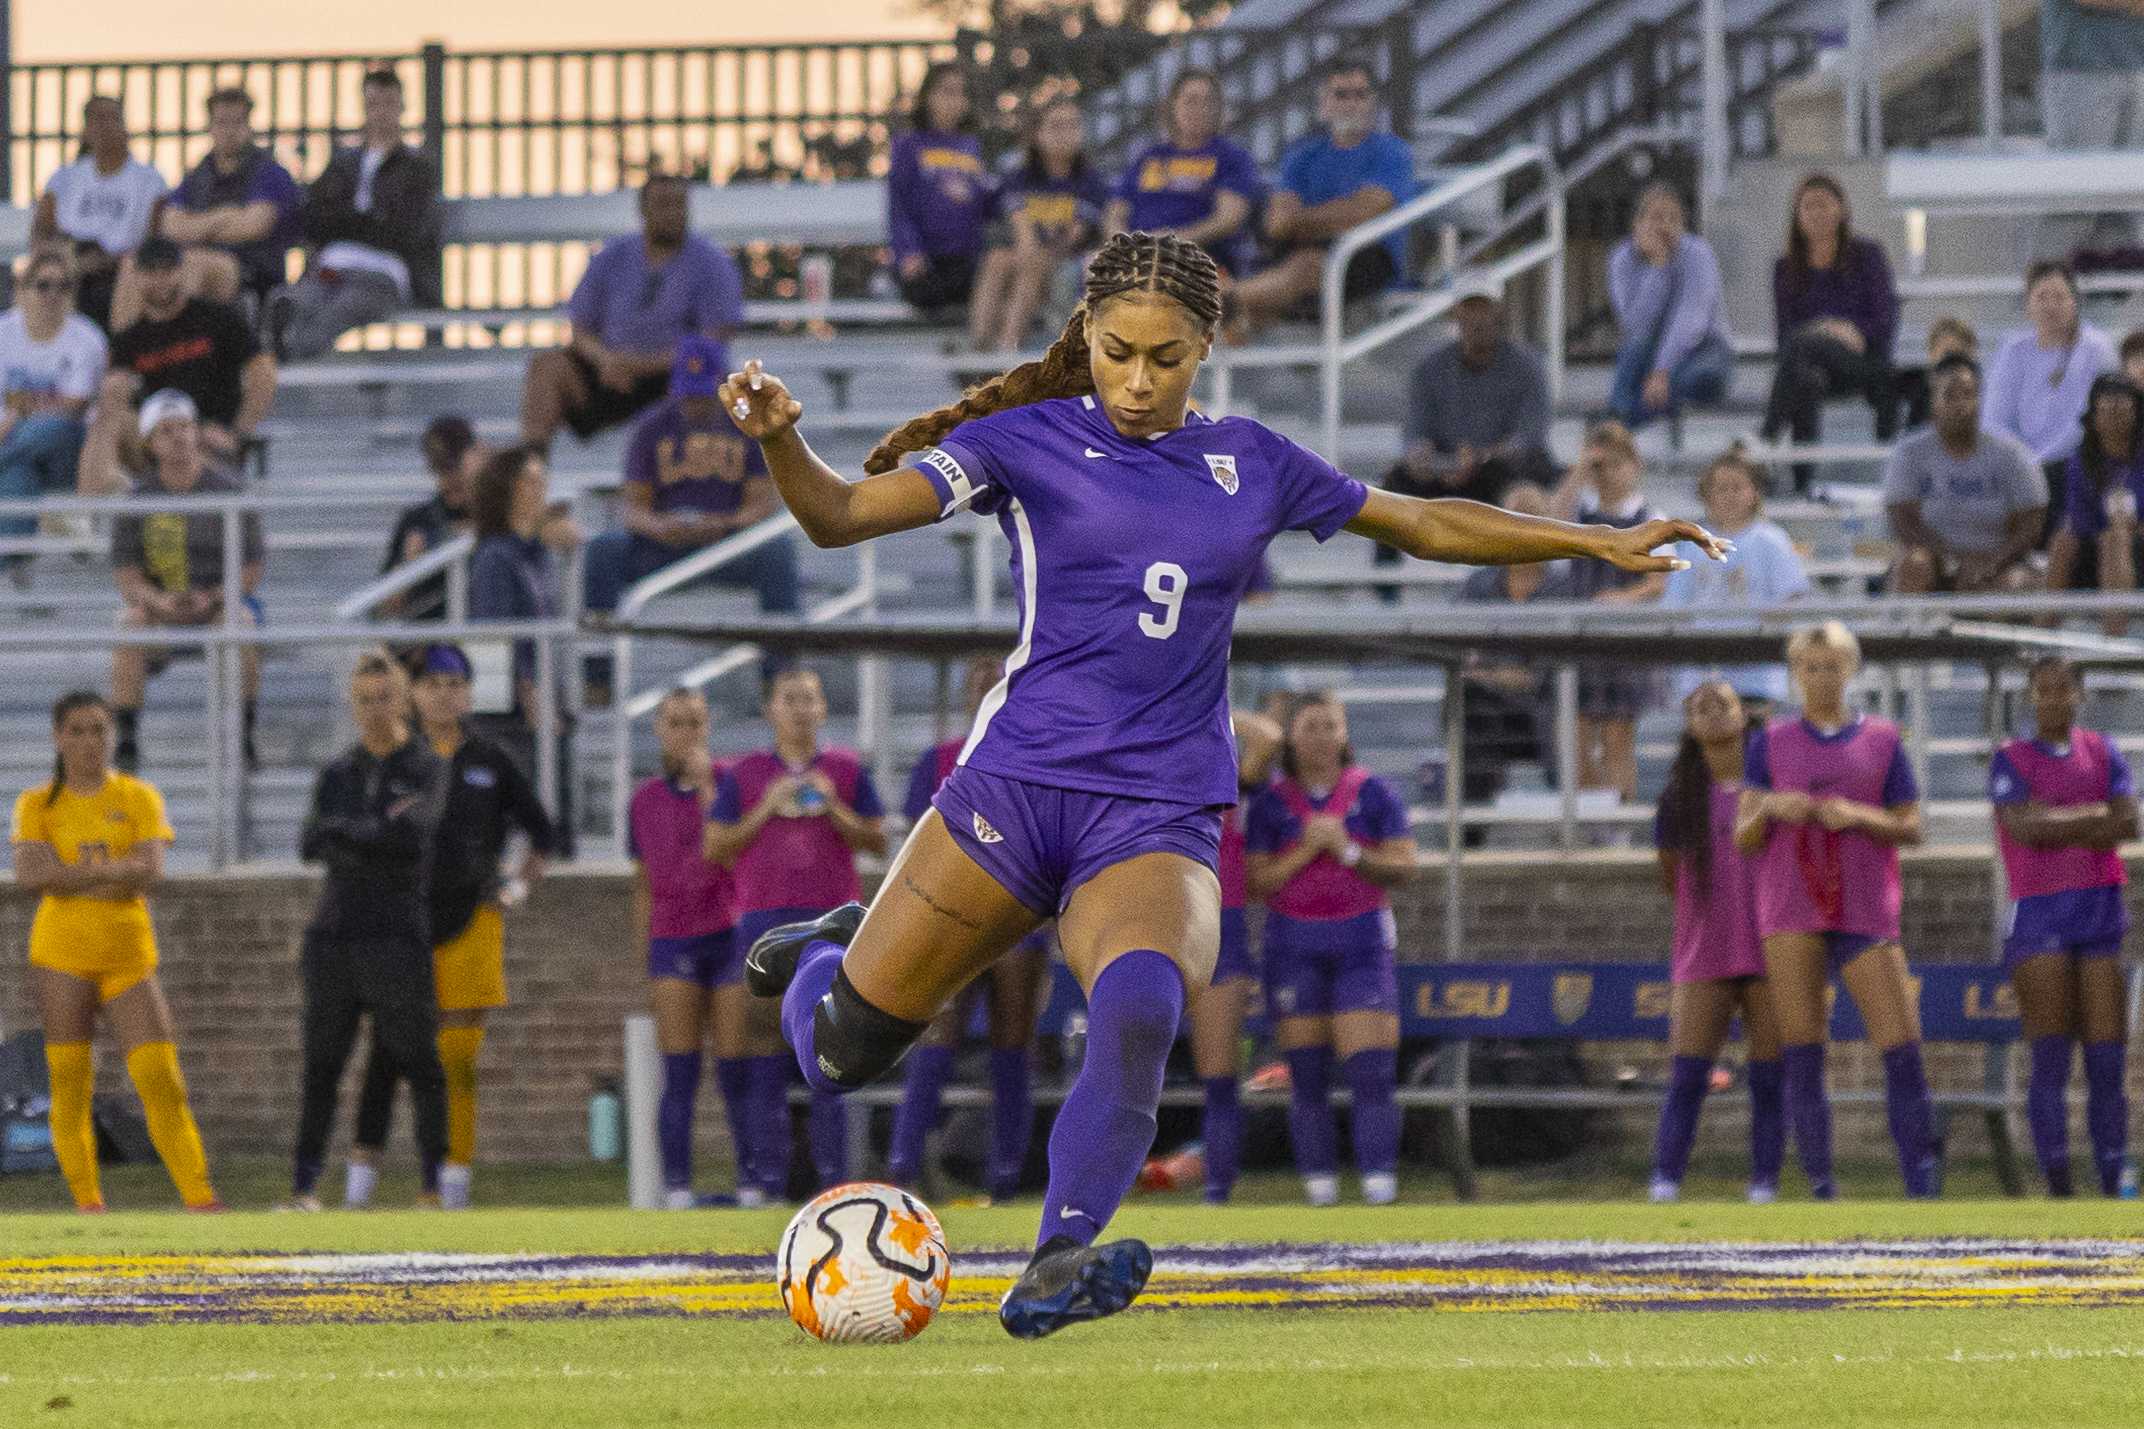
{"x": 1325, "y": 841}
{"x": 1829, "y": 801}
{"x": 92, "y": 843}
{"x": 688, "y": 904}
{"x": 788, "y": 822}
{"x": 487, "y": 796}
{"x": 2064, "y": 804}
{"x": 1718, "y": 963}
{"x": 1090, "y": 785}
{"x": 1018, "y": 988}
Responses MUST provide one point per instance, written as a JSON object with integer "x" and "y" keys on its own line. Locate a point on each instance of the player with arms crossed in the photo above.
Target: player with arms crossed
{"x": 1093, "y": 780}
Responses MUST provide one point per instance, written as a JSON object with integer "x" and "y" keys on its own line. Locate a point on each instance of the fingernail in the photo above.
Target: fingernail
{"x": 755, "y": 382}
{"x": 1678, "y": 565}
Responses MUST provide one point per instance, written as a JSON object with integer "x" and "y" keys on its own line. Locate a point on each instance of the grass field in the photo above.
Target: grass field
{"x": 1471, "y": 1315}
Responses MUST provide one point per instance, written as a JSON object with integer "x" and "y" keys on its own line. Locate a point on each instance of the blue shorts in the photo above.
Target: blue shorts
{"x": 1041, "y": 843}
{"x": 1314, "y": 969}
{"x": 709, "y": 959}
{"x": 1235, "y": 960}
{"x": 2084, "y": 922}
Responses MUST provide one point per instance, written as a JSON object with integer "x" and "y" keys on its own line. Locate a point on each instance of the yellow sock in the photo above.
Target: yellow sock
{"x": 154, "y": 1066}
{"x": 457, "y": 1055}
{"x": 74, "y": 1141}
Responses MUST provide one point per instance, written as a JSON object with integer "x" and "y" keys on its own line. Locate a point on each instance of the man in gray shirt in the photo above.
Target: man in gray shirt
{"x": 1966, "y": 504}
{"x": 1477, "y": 412}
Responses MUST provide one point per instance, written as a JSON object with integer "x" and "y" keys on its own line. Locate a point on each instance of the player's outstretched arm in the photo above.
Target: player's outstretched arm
{"x": 832, "y": 511}
{"x": 1470, "y": 533}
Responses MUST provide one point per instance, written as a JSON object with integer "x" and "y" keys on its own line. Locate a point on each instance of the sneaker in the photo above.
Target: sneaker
{"x": 1824, "y": 1190}
{"x": 213, "y": 1206}
{"x": 306, "y": 1205}
{"x": 1380, "y": 1188}
{"x": 94, "y": 1208}
{"x": 2125, "y": 1180}
{"x": 1762, "y": 1193}
{"x": 1321, "y": 1190}
{"x": 772, "y": 961}
{"x": 1067, "y": 1282}
{"x": 1664, "y": 1192}
{"x": 679, "y": 1198}
{"x": 454, "y": 1184}
{"x": 750, "y": 1198}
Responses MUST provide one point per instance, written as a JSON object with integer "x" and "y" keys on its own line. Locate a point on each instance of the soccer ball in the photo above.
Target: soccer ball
{"x": 864, "y": 1263}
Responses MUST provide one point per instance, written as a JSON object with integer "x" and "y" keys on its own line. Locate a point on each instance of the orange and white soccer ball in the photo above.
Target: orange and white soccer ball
{"x": 864, "y": 1263}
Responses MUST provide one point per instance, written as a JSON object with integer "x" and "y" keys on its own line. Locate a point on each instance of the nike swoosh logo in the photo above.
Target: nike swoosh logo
{"x": 1093, "y": 453}
{"x": 1066, "y": 1213}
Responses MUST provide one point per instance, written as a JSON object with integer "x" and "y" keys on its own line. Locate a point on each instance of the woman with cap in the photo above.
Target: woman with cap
{"x": 487, "y": 798}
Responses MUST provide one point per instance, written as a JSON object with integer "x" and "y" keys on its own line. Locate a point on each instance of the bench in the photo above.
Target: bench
{"x": 1457, "y": 1004}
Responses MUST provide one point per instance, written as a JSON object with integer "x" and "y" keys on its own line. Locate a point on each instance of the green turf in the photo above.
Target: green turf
{"x": 1933, "y": 1366}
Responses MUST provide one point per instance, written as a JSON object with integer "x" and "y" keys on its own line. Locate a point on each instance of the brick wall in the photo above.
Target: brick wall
{"x": 230, "y": 970}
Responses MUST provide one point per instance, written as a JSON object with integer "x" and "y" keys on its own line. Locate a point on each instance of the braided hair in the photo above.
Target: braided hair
{"x": 1128, "y": 263}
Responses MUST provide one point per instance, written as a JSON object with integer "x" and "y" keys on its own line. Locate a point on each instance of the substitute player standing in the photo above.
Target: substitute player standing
{"x": 2064, "y": 805}
{"x": 1326, "y": 841}
{"x": 788, "y": 822}
{"x": 1091, "y": 785}
{"x": 92, "y": 844}
{"x": 487, "y": 798}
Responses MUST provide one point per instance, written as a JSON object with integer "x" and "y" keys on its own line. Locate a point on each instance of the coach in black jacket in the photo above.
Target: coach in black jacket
{"x": 375, "y": 815}
{"x": 372, "y": 218}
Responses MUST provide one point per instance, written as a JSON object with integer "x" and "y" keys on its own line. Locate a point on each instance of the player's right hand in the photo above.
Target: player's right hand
{"x": 758, "y": 402}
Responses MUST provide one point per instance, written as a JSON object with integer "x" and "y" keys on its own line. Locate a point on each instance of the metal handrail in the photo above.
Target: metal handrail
{"x": 450, "y": 556}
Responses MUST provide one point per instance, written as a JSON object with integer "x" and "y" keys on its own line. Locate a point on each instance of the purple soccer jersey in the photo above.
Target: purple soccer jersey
{"x": 1129, "y": 558}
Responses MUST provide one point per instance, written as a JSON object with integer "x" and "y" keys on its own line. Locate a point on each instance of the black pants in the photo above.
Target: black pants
{"x": 1814, "y": 366}
{"x": 391, "y": 980}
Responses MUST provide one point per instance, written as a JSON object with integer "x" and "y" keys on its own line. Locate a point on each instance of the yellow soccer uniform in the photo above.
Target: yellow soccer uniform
{"x": 469, "y": 969}
{"x": 107, "y": 941}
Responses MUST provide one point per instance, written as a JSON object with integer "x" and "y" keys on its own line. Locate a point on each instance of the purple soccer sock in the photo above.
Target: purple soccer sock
{"x": 814, "y": 980}
{"x": 1371, "y": 1075}
{"x": 2047, "y": 1110}
{"x": 673, "y": 1117}
{"x": 1223, "y": 1133}
{"x": 734, "y": 1076}
{"x": 1689, "y": 1078}
{"x": 2106, "y": 1110}
{"x": 1310, "y": 1110}
{"x": 1767, "y": 1122}
{"x": 1012, "y": 1118}
{"x": 771, "y": 1135}
{"x": 921, "y": 1093}
{"x": 829, "y": 1126}
{"x": 1809, "y": 1111}
{"x": 1913, "y": 1116}
{"x": 1106, "y": 1125}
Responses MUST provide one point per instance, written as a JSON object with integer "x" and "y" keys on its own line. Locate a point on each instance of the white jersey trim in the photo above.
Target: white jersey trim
{"x": 1017, "y": 660}
{"x": 957, "y": 480}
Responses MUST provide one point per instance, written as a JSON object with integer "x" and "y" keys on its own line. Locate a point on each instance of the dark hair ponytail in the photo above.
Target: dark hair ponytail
{"x": 1686, "y": 812}
{"x": 64, "y": 706}
{"x": 1129, "y": 262}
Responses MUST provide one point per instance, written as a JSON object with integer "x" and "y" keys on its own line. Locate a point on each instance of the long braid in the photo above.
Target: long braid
{"x": 1129, "y": 262}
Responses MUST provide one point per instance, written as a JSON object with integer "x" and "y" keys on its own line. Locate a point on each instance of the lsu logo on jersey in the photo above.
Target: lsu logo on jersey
{"x": 984, "y": 832}
{"x": 1223, "y": 467}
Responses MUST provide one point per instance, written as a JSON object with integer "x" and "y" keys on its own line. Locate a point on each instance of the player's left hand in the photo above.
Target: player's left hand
{"x": 1636, "y": 549}
{"x": 1836, "y": 814}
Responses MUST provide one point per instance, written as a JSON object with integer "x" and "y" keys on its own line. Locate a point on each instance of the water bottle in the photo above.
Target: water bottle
{"x": 810, "y": 802}
{"x": 606, "y": 1123}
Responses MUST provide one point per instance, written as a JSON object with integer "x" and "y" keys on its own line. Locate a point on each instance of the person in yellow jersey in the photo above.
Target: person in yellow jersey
{"x": 92, "y": 842}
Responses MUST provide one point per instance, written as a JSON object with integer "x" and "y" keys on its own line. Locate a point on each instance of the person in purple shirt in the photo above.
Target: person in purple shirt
{"x": 1192, "y": 184}
{"x": 1835, "y": 310}
{"x": 1091, "y": 785}
{"x": 1049, "y": 211}
{"x": 938, "y": 195}
{"x": 640, "y": 296}
{"x": 1717, "y": 966}
{"x": 1329, "y": 183}
{"x": 236, "y": 212}
{"x": 2095, "y": 544}
{"x": 1325, "y": 842}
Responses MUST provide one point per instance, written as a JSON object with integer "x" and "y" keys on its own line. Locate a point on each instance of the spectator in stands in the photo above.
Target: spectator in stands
{"x": 199, "y": 346}
{"x": 2132, "y": 356}
{"x": 2090, "y": 54}
{"x": 104, "y": 203}
{"x": 1763, "y": 571}
{"x": 2041, "y": 378}
{"x": 2095, "y": 541}
{"x": 1050, "y": 212}
{"x": 373, "y": 219}
{"x": 691, "y": 478}
{"x": 641, "y": 295}
{"x": 1664, "y": 284}
{"x": 1603, "y": 490}
{"x": 1478, "y": 409}
{"x": 1331, "y": 182}
{"x": 169, "y": 567}
{"x": 1507, "y": 700}
{"x": 454, "y": 457}
{"x": 938, "y": 195}
{"x": 1835, "y": 309}
{"x": 512, "y": 576}
{"x": 1193, "y": 182}
{"x": 1946, "y": 335}
{"x": 236, "y": 212}
{"x": 1966, "y": 503}
{"x": 51, "y": 360}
